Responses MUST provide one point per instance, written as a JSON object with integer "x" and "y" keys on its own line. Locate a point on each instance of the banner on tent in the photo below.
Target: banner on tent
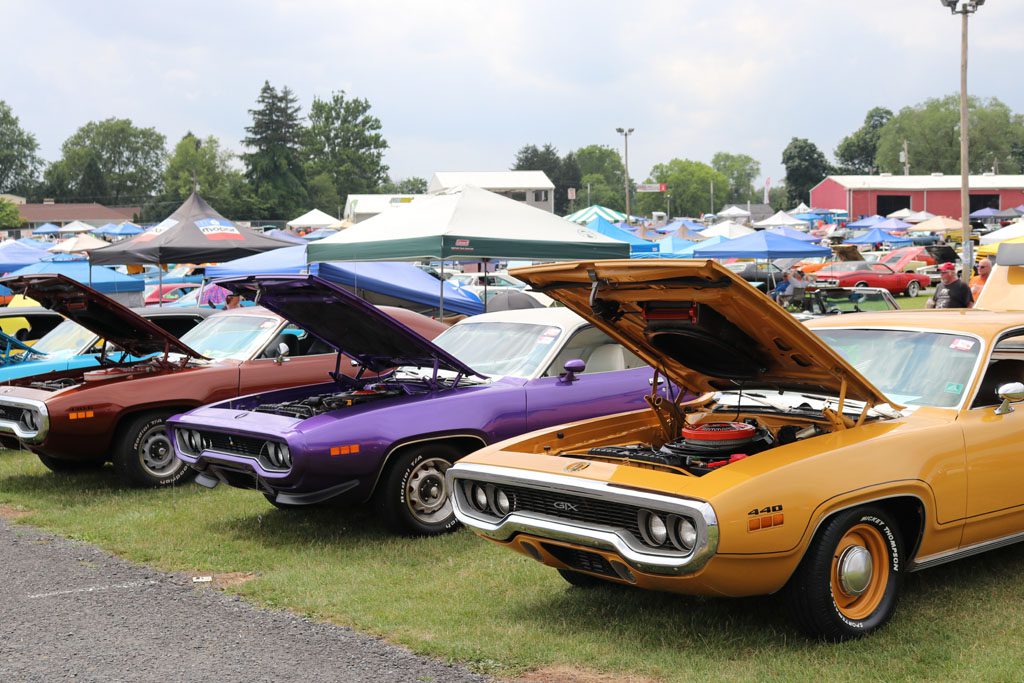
{"x": 652, "y": 187}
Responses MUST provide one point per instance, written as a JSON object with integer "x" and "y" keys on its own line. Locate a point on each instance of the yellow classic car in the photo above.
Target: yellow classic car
{"x": 825, "y": 460}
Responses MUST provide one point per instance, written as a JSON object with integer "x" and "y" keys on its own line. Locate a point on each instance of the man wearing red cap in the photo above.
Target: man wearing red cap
{"x": 951, "y": 292}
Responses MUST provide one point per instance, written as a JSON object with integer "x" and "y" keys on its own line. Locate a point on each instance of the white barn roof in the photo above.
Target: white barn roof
{"x": 492, "y": 180}
{"x": 927, "y": 182}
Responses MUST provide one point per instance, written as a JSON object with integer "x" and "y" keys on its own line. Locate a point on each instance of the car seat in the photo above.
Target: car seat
{"x": 607, "y": 358}
{"x": 288, "y": 339}
{"x": 998, "y": 373}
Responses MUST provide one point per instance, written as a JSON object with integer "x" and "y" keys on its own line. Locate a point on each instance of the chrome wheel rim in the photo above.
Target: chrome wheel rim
{"x": 156, "y": 454}
{"x": 855, "y": 570}
{"x": 426, "y": 492}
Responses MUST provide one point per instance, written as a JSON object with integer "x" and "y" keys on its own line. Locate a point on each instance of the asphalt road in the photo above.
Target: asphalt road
{"x": 71, "y": 611}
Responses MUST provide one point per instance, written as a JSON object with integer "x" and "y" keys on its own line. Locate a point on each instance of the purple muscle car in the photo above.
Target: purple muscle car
{"x": 389, "y": 439}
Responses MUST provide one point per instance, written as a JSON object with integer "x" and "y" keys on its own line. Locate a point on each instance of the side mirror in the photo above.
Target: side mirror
{"x": 1009, "y": 393}
{"x": 282, "y": 352}
{"x": 572, "y": 368}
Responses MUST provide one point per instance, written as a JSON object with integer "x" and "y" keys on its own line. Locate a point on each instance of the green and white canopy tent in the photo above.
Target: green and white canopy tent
{"x": 588, "y": 214}
{"x": 470, "y": 224}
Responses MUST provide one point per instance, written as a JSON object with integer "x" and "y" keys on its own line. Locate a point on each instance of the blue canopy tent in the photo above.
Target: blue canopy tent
{"x": 709, "y": 242}
{"x": 102, "y": 230}
{"x": 37, "y": 244}
{"x": 891, "y": 224}
{"x": 46, "y": 229}
{"x": 761, "y": 245}
{"x": 636, "y": 244}
{"x": 284, "y": 236}
{"x": 793, "y": 234}
{"x": 867, "y": 222}
{"x": 122, "y": 230}
{"x": 319, "y": 234}
{"x": 393, "y": 279}
{"x": 672, "y": 247}
{"x": 878, "y": 236}
{"x": 14, "y": 255}
{"x": 984, "y": 213}
{"x": 100, "y": 278}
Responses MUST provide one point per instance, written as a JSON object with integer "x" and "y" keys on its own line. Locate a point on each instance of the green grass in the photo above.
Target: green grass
{"x": 460, "y": 598}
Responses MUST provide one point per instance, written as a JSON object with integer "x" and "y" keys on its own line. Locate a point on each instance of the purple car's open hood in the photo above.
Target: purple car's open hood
{"x": 117, "y": 324}
{"x": 344, "y": 321}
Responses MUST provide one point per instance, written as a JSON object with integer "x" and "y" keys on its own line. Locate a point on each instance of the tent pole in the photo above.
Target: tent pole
{"x": 485, "y": 285}
{"x": 88, "y": 265}
{"x": 160, "y": 286}
{"x": 440, "y": 315}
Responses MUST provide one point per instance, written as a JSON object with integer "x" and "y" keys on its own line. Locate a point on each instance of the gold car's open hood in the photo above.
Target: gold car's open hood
{"x": 701, "y": 325}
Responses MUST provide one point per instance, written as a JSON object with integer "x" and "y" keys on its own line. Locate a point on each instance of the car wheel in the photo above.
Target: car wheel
{"x": 76, "y": 465}
{"x": 143, "y": 455}
{"x": 581, "y": 580}
{"x": 913, "y": 289}
{"x": 846, "y": 585}
{"x": 413, "y": 497}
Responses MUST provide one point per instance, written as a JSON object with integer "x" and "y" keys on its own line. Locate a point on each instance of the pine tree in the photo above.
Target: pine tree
{"x": 274, "y": 167}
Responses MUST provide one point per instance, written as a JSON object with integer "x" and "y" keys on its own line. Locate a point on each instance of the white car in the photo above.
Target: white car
{"x": 496, "y": 279}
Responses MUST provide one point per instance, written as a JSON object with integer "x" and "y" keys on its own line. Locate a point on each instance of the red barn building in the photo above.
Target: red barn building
{"x": 865, "y": 195}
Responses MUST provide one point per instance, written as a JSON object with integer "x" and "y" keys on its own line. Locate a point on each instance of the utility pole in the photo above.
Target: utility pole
{"x": 625, "y": 133}
{"x": 712, "y": 197}
{"x": 668, "y": 207}
{"x": 905, "y": 158}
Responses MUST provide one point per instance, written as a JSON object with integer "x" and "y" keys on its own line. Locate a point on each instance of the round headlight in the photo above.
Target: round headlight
{"x": 686, "y": 533}
{"x": 656, "y": 529}
{"x": 192, "y": 440}
{"x": 285, "y": 454}
{"x": 29, "y": 420}
{"x": 480, "y": 498}
{"x": 501, "y": 502}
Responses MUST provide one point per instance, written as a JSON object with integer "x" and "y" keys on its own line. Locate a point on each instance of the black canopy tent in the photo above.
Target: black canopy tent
{"x": 195, "y": 233}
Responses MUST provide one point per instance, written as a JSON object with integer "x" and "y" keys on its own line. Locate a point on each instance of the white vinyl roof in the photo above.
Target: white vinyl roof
{"x": 492, "y": 180}
{"x": 927, "y": 182}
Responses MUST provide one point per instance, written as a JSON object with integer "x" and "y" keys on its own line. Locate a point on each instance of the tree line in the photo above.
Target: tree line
{"x": 291, "y": 161}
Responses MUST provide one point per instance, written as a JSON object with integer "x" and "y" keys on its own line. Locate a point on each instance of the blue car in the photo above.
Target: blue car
{"x": 69, "y": 346}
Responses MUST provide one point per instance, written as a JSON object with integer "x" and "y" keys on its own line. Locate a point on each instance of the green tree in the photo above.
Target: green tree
{"x": 932, "y": 132}
{"x": 59, "y": 182}
{"x": 806, "y": 166}
{"x": 9, "y": 215}
{"x": 411, "y": 185}
{"x": 594, "y": 189}
{"x": 130, "y": 160}
{"x": 856, "y": 153}
{"x": 547, "y": 159}
{"x": 324, "y": 196}
{"x": 274, "y": 168}
{"x": 19, "y": 162}
{"x": 92, "y": 185}
{"x": 568, "y": 176}
{"x": 741, "y": 170}
{"x": 603, "y": 161}
{"x": 344, "y": 142}
{"x": 689, "y": 183}
{"x": 204, "y": 165}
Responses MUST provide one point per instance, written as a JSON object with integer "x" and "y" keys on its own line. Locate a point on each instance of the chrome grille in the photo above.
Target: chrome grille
{"x": 11, "y": 413}
{"x": 232, "y": 443}
{"x": 576, "y": 508}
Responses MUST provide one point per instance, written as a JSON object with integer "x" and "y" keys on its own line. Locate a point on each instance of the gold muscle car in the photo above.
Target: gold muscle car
{"x": 825, "y": 460}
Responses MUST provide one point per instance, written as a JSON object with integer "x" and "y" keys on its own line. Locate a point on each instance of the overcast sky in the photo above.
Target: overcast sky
{"x": 460, "y": 86}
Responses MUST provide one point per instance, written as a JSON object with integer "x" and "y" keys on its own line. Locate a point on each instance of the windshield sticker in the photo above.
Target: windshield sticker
{"x": 962, "y": 344}
{"x": 267, "y": 323}
{"x": 954, "y": 388}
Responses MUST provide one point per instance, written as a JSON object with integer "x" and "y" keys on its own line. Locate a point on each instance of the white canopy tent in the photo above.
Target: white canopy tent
{"x": 77, "y": 244}
{"x": 76, "y": 227}
{"x": 781, "y": 219}
{"x": 900, "y": 215}
{"x": 938, "y": 224}
{"x": 1009, "y": 232}
{"x": 734, "y": 212}
{"x": 728, "y": 230}
{"x": 919, "y": 217}
{"x": 800, "y": 208}
{"x": 314, "y": 220}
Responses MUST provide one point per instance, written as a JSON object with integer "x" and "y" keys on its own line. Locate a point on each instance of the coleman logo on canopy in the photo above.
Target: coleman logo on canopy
{"x": 157, "y": 230}
{"x": 215, "y": 229}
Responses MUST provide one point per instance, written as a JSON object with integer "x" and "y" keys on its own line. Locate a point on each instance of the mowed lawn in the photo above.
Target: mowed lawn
{"x": 460, "y": 598}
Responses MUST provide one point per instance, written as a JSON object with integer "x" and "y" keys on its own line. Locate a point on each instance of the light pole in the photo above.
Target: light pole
{"x": 966, "y": 8}
{"x": 625, "y": 133}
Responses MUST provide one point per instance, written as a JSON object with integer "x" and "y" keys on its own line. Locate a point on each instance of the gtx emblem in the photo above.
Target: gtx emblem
{"x": 577, "y": 466}
{"x": 562, "y": 505}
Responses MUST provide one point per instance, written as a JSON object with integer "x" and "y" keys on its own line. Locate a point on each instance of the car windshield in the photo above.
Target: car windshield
{"x": 847, "y": 301}
{"x": 67, "y": 339}
{"x": 237, "y": 337}
{"x": 844, "y": 267}
{"x": 500, "y": 348}
{"x": 909, "y": 367}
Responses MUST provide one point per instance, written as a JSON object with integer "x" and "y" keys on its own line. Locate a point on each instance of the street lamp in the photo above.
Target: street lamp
{"x": 625, "y": 133}
{"x": 966, "y": 8}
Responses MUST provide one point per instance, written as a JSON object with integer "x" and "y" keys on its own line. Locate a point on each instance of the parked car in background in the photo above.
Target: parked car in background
{"x": 822, "y": 461}
{"x": 840, "y": 252}
{"x": 907, "y": 259}
{"x": 768, "y": 274}
{"x": 28, "y": 323}
{"x": 494, "y": 279}
{"x": 83, "y": 417}
{"x": 871, "y": 274}
{"x": 821, "y": 301}
{"x": 390, "y": 439}
{"x": 941, "y": 253}
{"x": 165, "y": 294}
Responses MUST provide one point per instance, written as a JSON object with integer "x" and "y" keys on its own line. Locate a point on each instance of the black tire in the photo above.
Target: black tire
{"x": 861, "y": 284}
{"x": 142, "y": 453}
{"x": 581, "y": 580}
{"x": 412, "y": 497}
{"x": 62, "y": 465}
{"x": 820, "y": 601}
{"x": 913, "y": 289}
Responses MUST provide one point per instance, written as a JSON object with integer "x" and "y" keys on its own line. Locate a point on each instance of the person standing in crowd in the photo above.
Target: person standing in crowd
{"x": 979, "y": 280}
{"x": 951, "y": 292}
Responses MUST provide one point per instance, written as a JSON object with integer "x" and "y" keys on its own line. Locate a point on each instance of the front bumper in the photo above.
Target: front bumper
{"x": 12, "y": 423}
{"x": 587, "y": 533}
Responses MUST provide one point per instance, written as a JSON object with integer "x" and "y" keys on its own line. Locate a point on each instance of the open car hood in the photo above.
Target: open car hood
{"x": 846, "y": 252}
{"x": 10, "y": 348}
{"x": 97, "y": 313}
{"x": 701, "y": 325}
{"x": 942, "y": 253}
{"x": 344, "y": 321}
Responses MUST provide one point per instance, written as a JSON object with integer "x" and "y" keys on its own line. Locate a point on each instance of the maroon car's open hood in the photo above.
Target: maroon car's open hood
{"x": 344, "y": 321}
{"x": 100, "y": 314}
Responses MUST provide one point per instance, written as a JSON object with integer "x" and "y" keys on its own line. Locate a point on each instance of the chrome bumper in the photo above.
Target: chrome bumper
{"x": 15, "y": 428}
{"x": 618, "y": 541}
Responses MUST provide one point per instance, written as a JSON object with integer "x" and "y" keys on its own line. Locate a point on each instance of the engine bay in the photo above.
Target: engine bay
{"x": 318, "y": 404}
